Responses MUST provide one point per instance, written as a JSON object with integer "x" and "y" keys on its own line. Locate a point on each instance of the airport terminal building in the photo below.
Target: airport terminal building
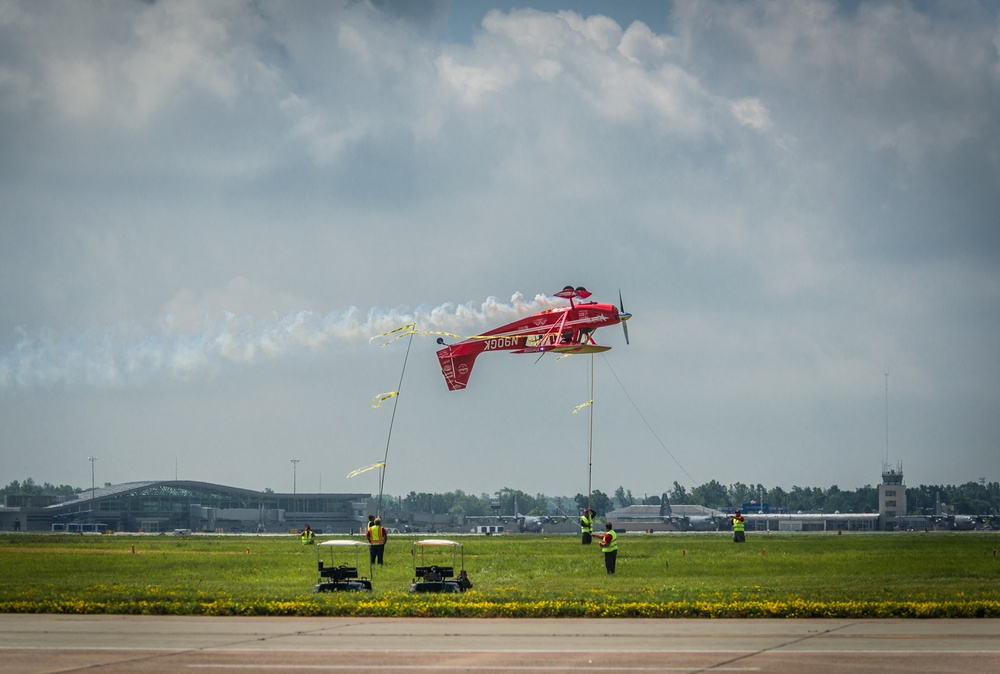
{"x": 180, "y": 505}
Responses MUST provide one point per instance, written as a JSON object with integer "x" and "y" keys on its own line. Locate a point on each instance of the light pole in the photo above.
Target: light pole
{"x": 294, "y": 462}
{"x": 93, "y": 483}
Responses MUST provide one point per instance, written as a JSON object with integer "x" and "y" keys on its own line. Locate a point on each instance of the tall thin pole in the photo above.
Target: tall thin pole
{"x": 395, "y": 402}
{"x": 93, "y": 483}
{"x": 590, "y": 466}
{"x": 887, "y": 416}
{"x": 294, "y": 466}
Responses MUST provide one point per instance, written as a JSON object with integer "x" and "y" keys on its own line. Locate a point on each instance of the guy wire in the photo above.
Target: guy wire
{"x": 385, "y": 459}
{"x": 646, "y": 422}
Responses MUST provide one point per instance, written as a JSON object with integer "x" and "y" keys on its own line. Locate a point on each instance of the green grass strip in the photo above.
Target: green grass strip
{"x": 900, "y": 575}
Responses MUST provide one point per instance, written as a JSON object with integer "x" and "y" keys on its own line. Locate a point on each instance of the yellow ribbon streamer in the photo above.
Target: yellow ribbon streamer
{"x": 408, "y": 326}
{"x": 580, "y": 407}
{"x": 366, "y": 469}
{"x": 410, "y": 329}
{"x": 382, "y": 397}
{"x": 414, "y": 331}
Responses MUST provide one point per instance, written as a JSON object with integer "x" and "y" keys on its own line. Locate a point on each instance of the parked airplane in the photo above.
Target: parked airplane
{"x": 963, "y": 522}
{"x": 532, "y": 523}
{"x": 692, "y": 522}
{"x": 946, "y": 520}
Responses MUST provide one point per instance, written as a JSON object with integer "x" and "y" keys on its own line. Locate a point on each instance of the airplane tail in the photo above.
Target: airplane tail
{"x": 456, "y": 368}
{"x": 665, "y": 510}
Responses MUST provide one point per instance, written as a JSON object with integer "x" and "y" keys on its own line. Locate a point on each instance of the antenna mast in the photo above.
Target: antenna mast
{"x": 590, "y": 464}
{"x": 887, "y": 415}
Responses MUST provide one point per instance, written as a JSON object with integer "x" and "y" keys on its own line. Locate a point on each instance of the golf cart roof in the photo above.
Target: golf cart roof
{"x": 436, "y": 541}
{"x": 344, "y": 543}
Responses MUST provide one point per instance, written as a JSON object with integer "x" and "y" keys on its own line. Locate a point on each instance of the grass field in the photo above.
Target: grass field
{"x": 688, "y": 575}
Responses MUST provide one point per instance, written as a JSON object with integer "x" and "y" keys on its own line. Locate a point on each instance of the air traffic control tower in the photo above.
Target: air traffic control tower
{"x": 891, "y": 498}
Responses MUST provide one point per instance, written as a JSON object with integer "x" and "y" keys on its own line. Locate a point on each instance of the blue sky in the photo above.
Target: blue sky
{"x": 210, "y": 208}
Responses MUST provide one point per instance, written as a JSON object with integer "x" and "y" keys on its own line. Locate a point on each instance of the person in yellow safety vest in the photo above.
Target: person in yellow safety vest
{"x": 739, "y": 527}
{"x": 609, "y": 544}
{"x": 307, "y": 536}
{"x": 377, "y": 536}
{"x": 586, "y": 526}
{"x": 371, "y": 522}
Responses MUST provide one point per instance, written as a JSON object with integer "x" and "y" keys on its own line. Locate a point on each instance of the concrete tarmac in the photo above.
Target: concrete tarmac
{"x": 36, "y": 644}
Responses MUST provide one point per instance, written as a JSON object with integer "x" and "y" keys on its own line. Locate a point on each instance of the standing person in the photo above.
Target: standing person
{"x": 609, "y": 544}
{"x": 586, "y": 526}
{"x": 307, "y": 536}
{"x": 371, "y": 523}
{"x": 377, "y": 536}
{"x": 739, "y": 527}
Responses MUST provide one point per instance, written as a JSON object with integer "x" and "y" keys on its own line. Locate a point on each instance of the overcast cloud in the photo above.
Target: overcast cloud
{"x": 209, "y": 209}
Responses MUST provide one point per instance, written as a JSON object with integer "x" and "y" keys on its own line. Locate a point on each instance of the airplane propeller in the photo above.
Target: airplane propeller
{"x": 623, "y": 315}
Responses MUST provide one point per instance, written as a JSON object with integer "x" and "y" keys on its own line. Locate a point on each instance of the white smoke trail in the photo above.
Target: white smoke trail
{"x": 128, "y": 354}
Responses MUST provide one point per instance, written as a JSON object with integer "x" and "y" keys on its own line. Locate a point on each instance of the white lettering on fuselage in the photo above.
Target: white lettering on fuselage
{"x": 494, "y": 343}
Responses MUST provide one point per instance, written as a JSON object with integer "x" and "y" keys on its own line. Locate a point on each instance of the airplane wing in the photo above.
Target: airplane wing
{"x": 565, "y": 348}
{"x": 579, "y": 348}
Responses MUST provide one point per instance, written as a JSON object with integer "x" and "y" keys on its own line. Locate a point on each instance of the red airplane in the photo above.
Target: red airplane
{"x": 561, "y": 330}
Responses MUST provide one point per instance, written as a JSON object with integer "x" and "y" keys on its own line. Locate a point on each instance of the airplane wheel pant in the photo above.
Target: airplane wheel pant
{"x": 586, "y": 538}
{"x": 609, "y": 560}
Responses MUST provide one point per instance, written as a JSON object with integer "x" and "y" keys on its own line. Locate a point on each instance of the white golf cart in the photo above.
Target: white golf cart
{"x": 438, "y": 577}
{"x": 341, "y": 577}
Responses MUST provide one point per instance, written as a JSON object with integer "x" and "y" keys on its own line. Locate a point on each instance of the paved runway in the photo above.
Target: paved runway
{"x": 32, "y": 644}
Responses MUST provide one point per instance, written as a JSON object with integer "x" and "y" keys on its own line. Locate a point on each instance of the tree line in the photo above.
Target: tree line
{"x": 971, "y": 498}
{"x": 30, "y": 488}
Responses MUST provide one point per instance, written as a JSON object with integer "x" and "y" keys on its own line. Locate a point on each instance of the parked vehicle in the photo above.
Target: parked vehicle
{"x": 340, "y": 578}
{"x": 438, "y": 577}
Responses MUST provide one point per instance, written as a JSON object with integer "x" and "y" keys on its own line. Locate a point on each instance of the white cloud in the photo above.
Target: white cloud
{"x": 475, "y": 83}
{"x": 889, "y": 74}
{"x": 751, "y": 112}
